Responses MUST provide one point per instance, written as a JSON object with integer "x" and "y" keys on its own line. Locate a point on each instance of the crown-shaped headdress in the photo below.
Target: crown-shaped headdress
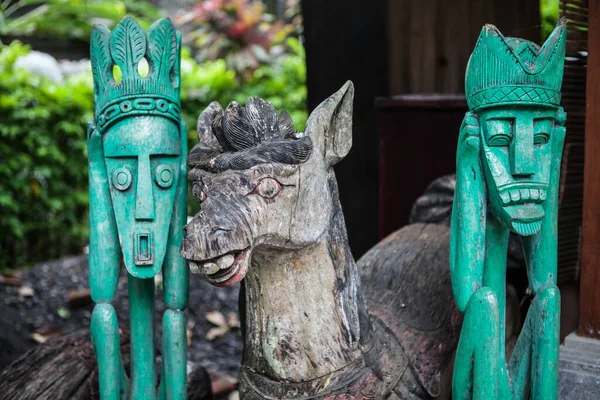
{"x": 505, "y": 71}
{"x": 155, "y": 94}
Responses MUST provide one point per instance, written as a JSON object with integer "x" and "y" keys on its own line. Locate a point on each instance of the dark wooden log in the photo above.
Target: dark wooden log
{"x": 14, "y": 336}
{"x": 589, "y": 320}
{"x": 64, "y": 368}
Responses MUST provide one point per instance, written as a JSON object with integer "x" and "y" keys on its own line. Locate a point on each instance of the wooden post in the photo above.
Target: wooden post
{"x": 589, "y": 319}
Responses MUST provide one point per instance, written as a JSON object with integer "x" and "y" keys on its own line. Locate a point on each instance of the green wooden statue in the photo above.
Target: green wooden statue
{"x": 137, "y": 147}
{"x": 508, "y": 166}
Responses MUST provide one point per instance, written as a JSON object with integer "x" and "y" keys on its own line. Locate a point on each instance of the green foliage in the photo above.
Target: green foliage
{"x": 72, "y": 19}
{"x": 549, "y": 13}
{"x": 43, "y": 174}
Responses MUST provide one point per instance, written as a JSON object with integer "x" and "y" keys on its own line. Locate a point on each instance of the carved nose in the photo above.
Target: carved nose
{"x": 144, "y": 199}
{"x": 522, "y": 158}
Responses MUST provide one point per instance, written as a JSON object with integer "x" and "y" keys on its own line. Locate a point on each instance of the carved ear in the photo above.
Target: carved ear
{"x": 468, "y": 224}
{"x": 205, "y": 126}
{"x": 330, "y": 124}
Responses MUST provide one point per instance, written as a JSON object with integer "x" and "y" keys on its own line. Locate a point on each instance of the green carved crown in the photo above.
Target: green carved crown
{"x": 155, "y": 94}
{"x": 505, "y": 71}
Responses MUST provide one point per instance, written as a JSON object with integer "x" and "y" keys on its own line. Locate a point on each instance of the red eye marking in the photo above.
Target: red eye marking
{"x": 198, "y": 193}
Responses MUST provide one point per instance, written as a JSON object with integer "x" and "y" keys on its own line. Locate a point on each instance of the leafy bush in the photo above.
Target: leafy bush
{"x": 43, "y": 174}
{"x": 72, "y": 19}
{"x": 43, "y": 167}
{"x": 238, "y": 31}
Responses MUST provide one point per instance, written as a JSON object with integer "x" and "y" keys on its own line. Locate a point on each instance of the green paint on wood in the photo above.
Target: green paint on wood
{"x": 508, "y": 170}
{"x": 137, "y": 145}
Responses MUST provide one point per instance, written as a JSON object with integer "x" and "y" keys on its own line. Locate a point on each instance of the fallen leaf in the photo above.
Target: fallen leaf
{"x": 222, "y": 384}
{"x": 10, "y": 280}
{"x": 63, "y": 312}
{"x": 79, "y": 298}
{"x": 189, "y": 331}
{"x": 43, "y": 334}
{"x": 26, "y": 291}
{"x": 232, "y": 320}
{"x": 216, "y": 318}
{"x": 217, "y": 332}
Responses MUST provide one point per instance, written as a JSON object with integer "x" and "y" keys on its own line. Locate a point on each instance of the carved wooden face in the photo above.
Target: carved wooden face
{"x": 142, "y": 159}
{"x": 265, "y": 208}
{"x": 271, "y": 193}
{"x": 517, "y": 158}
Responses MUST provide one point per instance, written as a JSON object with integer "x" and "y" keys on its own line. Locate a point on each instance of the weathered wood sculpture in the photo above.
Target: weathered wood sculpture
{"x": 508, "y": 166}
{"x": 270, "y": 213}
{"x": 137, "y": 146}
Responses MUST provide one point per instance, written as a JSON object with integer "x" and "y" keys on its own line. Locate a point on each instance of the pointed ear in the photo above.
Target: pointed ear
{"x": 469, "y": 213}
{"x": 205, "y": 125}
{"x": 330, "y": 124}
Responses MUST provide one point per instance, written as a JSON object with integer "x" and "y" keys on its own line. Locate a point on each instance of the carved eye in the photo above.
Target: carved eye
{"x": 268, "y": 188}
{"x": 542, "y": 128}
{"x": 164, "y": 176}
{"x": 198, "y": 193}
{"x": 499, "y": 140}
{"x": 541, "y": 138}
{"x": 122, "y": 179}
{"x": 498, "y": 132}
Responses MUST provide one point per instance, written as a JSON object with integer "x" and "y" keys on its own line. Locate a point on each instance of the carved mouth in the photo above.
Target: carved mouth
{"x": 225, "y": 270}
{"x": 522, "y": 196}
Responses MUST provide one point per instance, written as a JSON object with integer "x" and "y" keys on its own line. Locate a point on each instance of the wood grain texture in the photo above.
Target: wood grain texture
{"x": 64, "y": 368}
{"x": 589, "y": 323}
{"x": 430, "y": 40}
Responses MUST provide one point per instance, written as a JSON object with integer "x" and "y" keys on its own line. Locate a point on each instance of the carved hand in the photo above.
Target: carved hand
{"x": 467, "y": 241}
{"x": 541, "y": 250}
{"x": 105, "y": 251}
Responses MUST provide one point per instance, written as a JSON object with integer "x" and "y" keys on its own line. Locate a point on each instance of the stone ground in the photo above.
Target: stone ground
{"x": 50, "y": 298}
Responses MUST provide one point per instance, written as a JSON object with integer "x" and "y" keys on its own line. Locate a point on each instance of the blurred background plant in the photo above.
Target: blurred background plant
{"x": 238, "y": 31}
{"x": 72, "y": 19}
{"x": 549, "y": 13}
{"x": 43, "y": 172}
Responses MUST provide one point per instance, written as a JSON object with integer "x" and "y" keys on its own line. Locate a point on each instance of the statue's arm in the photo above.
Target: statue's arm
{"x": 176, "y": 290}
{"x": 541, "y": 250}
{"x": 105, "y": 250}
{"x": 467, "y": 235}
{"x": 175, "y": 271}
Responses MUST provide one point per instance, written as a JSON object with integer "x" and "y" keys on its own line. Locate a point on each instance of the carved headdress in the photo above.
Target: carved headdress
{"x": 134, "y": 95}
{"x": 505, "y": 70}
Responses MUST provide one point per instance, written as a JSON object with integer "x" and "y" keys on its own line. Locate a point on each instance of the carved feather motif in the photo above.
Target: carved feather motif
{"x": 100, "y": 53}
{"x": 128, "y": 43}
{"x": 162, "y": 47}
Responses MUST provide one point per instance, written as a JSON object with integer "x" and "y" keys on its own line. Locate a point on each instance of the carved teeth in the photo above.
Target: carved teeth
{"x": 535, "y": 194}
{"x": 542, "y": 195}
{"x": 505, "y": 197}
{"x": 210, "y": 268}
{"x": 194, "y": 267}
{"x": 524, "y": 194}
{"x": 226, "y": 261}
{"x": 514, "y": 196}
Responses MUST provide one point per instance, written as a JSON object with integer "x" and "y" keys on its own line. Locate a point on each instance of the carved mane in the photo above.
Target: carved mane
{"x": 242, "y": 137}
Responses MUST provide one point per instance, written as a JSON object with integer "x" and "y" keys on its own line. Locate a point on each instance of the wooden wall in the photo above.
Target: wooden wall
{"x": 430, "y": 41}
{"x": 347, "y": 40}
